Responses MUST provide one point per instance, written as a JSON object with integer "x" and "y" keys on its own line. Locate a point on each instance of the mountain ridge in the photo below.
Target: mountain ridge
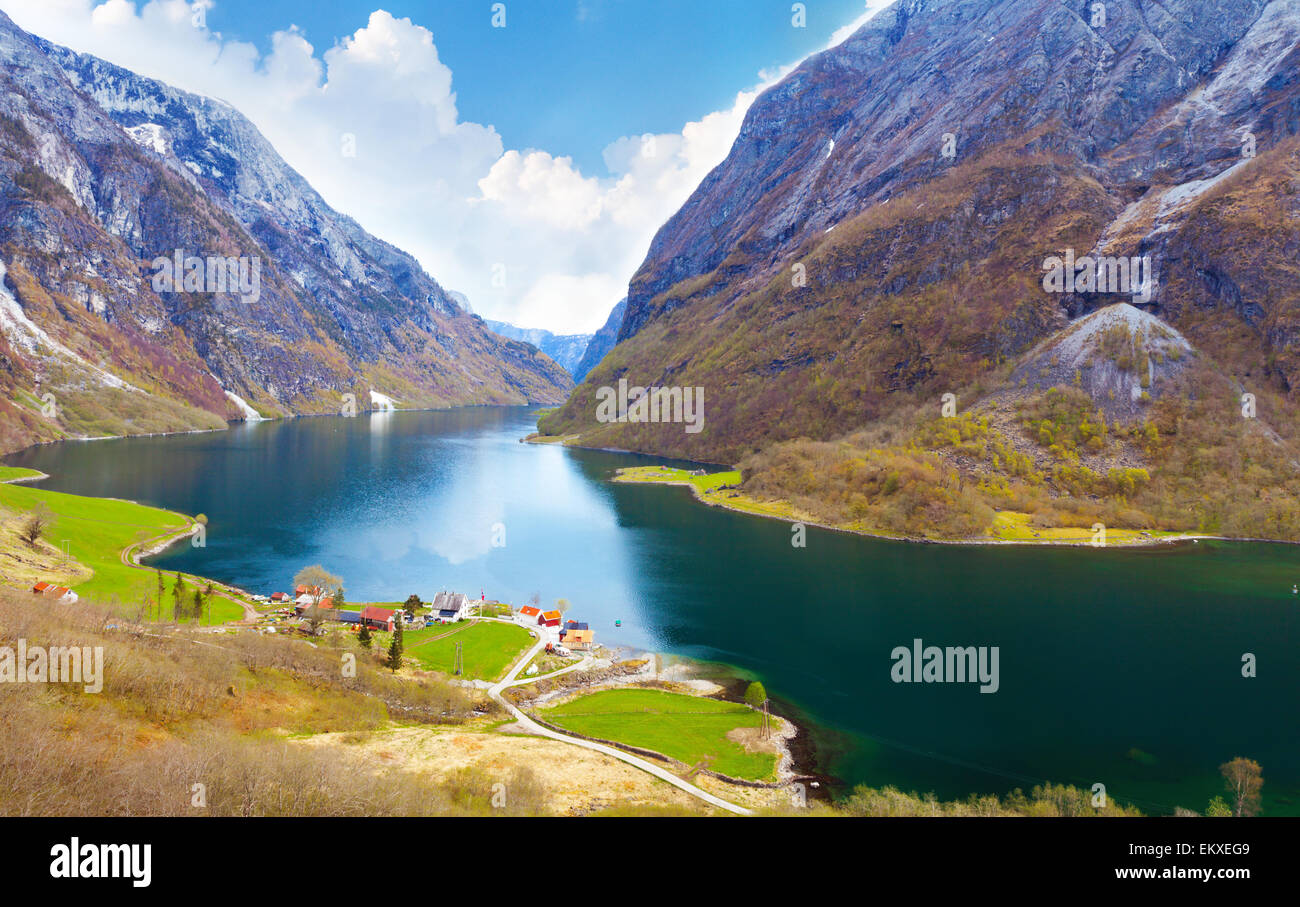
{"x": 878, "y": 235}
{"x": 91, "y": 197}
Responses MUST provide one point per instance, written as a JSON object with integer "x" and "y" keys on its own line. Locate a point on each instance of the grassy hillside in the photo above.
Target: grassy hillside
{"x": 180, "y": 710}
{"x": 97, "y": 532}
{"x": 487, "y": 647}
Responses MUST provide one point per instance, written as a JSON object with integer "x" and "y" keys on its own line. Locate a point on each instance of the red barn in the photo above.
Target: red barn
{"x": 379, "y": 618}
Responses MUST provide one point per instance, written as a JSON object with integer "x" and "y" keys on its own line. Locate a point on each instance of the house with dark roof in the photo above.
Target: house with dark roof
{"x": 450, "y": 605}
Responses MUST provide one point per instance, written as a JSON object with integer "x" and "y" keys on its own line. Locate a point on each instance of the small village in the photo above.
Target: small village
{"x": 316, "y": 611}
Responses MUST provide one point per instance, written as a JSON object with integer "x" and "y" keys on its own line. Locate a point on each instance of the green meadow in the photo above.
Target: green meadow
{"x": 488, "y": 648}
{"x": 96, "y": 532}
{"x": 690, "y": 729}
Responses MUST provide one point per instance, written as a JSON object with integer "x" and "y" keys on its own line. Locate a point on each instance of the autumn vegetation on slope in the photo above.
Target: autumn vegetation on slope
{"x": 197, "y": 724}
{"x": 1193, "y": 464}
{"x": 182, "y": 709}
{"x": 827, "y": 394}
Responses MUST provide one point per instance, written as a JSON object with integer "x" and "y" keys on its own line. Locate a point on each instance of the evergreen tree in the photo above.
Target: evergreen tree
{"x": 178, "y": 596}
{"x": 364, "y": 636}
{"x": 395, "y": 648}
{"x": 197, "y": 611}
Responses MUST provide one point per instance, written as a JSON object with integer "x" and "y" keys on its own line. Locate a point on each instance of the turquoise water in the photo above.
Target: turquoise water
{"x": 1119, "y": 667}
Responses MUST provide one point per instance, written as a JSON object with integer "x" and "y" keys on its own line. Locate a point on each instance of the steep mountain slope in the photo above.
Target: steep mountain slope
{"x": 103, "y": 174}
{"x": 601, "y": 342}
{"x": 878, "y": 235}
{"x": 566, "y": 349}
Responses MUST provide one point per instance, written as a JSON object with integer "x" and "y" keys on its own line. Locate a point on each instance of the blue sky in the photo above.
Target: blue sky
{"x": 528, "y": 167}
{"x": 571, "y": 76}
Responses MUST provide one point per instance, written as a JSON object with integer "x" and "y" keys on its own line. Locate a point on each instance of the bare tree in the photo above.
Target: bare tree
{"x": 35, "y": 524}
{"x": 315, "y": 617}
{"x": 316, "y": 575}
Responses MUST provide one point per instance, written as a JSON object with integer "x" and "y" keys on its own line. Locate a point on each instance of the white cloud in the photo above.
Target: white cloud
{"x": 527, "y": 236}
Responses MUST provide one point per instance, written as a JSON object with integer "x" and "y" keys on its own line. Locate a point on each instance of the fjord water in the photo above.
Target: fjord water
{"x": 1116, "y": 667}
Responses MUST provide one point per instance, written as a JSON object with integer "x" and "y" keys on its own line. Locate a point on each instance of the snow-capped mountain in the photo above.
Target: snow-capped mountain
{"x": 105, "y": 175}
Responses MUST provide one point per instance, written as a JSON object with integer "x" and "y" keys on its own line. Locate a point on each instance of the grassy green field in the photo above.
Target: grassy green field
{"x": 488, "y": 647}
{"x": 10, "y": 473}
{"x": 1009, "y": 526}
{"x": 686, "y": 728}
{"x": 667, "y": 475}
{"x": 97, "y": 530}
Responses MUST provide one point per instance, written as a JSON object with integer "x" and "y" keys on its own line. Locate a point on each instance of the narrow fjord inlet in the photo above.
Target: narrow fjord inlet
{"x": 1112, "y": 662}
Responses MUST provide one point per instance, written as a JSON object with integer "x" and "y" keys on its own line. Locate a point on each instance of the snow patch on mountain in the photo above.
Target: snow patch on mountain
{"x": 149, "y": 135}
{"x": 24, "y": 333}
{"x": 250, "y": 414}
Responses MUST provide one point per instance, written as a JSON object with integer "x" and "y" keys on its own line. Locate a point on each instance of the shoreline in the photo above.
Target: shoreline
{"x": 36, "y": 476}
{"x": 1141, "y": 543}
{"x": 232, "y": 423}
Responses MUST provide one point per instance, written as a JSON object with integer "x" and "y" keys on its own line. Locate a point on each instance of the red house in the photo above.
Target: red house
{"x": 378, "y": 618}
{"x": 549, "y": 619}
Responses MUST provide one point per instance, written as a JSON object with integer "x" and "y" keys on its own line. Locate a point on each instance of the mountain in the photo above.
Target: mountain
{"x": 104, "y": 177}
{"x": 566, "y": 349}
{"x": 601, "y": 342}
{"x": 882, "y": 232}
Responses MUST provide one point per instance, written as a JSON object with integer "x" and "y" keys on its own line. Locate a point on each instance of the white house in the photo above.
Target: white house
{"x": 450, "y": 605}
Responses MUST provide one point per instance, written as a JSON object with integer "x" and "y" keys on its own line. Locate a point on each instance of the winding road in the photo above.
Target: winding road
{"x": 532, "y": 727}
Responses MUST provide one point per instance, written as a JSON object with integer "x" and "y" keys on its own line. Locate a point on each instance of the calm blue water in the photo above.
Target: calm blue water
{"x": 1120, "y": 667}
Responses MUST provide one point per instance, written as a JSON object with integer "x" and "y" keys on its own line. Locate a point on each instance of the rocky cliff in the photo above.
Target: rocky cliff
{"x": 601, "y": 342}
